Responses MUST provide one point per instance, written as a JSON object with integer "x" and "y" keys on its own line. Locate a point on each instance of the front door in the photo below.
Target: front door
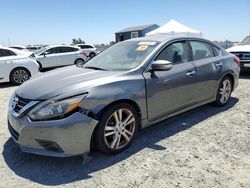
{"x": 172, "y": 90}
{"x": 50, "y": 58}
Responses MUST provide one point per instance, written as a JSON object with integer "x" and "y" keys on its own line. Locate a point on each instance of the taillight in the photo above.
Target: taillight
{"x": 237, "y": 60}
{"x": 84, "y": 53}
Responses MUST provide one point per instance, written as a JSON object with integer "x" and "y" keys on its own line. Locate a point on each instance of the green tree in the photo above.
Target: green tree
{"x": 78, "y": 41}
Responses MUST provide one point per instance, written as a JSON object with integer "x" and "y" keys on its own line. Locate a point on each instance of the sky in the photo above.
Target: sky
{"x": 26, "y": 22}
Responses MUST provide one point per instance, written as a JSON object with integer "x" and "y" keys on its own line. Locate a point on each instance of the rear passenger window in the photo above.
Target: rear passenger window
{"x": 176, "y": 53}
{"x": 201, "y": 50}
{"x": 5, "y": 53}
{"x": 67, "y": 49}
{"x": 86, "y": 46}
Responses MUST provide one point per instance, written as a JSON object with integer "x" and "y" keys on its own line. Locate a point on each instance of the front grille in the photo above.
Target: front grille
{"x": 13, "y": 132}
{"x": 244, "y": 56}
{"x": 19, "y": 103}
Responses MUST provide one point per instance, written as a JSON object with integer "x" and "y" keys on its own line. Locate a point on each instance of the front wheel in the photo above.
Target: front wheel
{"x": 117, "y": 129}
{"x": 224, "y": 91}
{"x": 19, "y": 76}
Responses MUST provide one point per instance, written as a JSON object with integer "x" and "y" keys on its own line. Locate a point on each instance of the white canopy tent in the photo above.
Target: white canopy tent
{"x": 174, "y": 28}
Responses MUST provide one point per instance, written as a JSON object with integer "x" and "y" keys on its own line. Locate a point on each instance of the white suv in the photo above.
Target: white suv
{"x": 59, "y": 56}
{"x": 242, "y": 50}
{"x": 90, "y": 50}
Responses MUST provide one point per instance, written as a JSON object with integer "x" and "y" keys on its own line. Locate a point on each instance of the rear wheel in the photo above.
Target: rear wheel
{"x": 117, "y": 129}
{"x": 79, "y": 62}
{"x": 19, "y": 76}
{"x": 92, "y": 54}
{"x": 224, "y": 91}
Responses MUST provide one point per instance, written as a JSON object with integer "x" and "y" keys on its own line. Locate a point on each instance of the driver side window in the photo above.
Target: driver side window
{"x": 52, "y": 51}
{"x": 49, "y": 51}
{"x": 176, "y": 53}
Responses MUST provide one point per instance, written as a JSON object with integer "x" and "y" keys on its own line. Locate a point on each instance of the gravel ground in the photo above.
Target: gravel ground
{"x": 205, "y": 147}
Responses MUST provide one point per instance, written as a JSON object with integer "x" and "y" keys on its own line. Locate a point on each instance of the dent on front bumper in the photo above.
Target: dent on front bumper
{"x": 59, "y": 138}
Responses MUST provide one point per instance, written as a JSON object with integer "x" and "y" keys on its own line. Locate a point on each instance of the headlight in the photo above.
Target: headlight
{"x": 55, "y": 109}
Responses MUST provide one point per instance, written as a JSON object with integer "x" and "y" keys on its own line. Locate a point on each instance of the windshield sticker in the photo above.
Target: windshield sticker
{"x": 147, "y": 43}
{"x": 142, "y": 47}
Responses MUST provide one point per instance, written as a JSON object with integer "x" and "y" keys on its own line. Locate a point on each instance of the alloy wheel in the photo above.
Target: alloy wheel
{"x": 79, "y": 62}
{"x": 119, "y": 129}
{"x": 20, "y": 76}
{"x": 225, "y": 91}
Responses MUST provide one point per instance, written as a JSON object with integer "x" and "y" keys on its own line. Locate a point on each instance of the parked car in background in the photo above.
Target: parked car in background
{"x": 59, "y": 56}
{"x": 16, "y": 66}
{"x": 33, "y": 48}
{"x": 19, "y": 47}
{"x": 129, "y": 86}
{"x": 242, "y": 50}
{"x": 90, "y": 50}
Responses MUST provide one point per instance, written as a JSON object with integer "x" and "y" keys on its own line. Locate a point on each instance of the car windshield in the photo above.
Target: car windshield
{"x": 122, "y": 56}
{"x": 40, "y": 50}
{"x": 245, "y": 41}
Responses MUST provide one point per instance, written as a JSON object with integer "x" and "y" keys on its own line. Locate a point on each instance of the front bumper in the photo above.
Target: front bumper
{"x": 245, "y": 65}
{"x": 59, "y": 138}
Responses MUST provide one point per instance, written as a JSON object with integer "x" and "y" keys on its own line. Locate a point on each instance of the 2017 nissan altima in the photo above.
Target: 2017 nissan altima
{"x": 129, "y": 86}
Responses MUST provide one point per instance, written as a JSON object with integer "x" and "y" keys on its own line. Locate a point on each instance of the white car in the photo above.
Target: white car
{"x": 16, "y": 66}
{"x": 242, "y": 50}
{"x": 90, "y": 50}
{"x": 59, "y": 56}
{"x": 33, "y": 48}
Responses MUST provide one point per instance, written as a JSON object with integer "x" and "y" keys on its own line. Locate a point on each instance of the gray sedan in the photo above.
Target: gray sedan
{"x": 131, "y": 85}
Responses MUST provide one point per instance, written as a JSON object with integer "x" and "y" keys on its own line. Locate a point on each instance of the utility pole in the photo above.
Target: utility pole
{"x": 8, "y": 41}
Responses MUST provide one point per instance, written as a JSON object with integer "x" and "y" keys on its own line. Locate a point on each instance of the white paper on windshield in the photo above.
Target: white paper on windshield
{"x": 150, "y": 43}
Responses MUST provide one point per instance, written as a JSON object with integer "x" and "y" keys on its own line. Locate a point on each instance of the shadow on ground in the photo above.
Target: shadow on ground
{"x": 6, "y": 85}
{"x": 245, "y": 74}
{"x": 56, "y": 171}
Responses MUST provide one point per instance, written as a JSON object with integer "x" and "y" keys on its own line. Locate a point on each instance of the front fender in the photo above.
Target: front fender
{"x": 101, "y": 96}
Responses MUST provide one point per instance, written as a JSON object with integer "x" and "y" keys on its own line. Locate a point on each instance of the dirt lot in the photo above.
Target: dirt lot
{"x": 205, "y": 147}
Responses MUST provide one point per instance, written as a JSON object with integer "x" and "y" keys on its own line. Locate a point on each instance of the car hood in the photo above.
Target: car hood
{"x": 68, "y": 81}
{"x": 239, "y": 48}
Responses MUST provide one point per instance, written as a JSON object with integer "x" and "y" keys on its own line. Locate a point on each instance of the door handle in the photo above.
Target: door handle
{"x": 218, "y": 64}
{"x": 190, "y": 73}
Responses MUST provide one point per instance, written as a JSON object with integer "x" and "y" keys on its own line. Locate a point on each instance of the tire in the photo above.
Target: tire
{"x": 92, "y": 54}
{"x": 112, "y": 135}
{"x": 79, "y": 62}
{"x": 224, "y": 91}
{"x": 19, "y": 76}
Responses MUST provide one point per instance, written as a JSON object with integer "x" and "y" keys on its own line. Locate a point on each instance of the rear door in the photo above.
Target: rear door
{"x": 68, "y": 55}
{"x": 172, "y": 90}
{"x": 208, "y": 67}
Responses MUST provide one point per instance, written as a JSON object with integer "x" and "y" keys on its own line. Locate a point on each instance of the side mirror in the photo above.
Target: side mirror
{"x": 45, "y": 53}
{"x": 161, "y": 65}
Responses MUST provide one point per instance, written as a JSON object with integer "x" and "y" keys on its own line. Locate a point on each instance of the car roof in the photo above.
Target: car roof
{"x": 165, "y": 38}
{"x": 53, "y": 46}
{"x": 11, "y": 49}
{"x": 86, "y": 44}
{"x": 19, "y": 46}
{"x": 18, "y": 52}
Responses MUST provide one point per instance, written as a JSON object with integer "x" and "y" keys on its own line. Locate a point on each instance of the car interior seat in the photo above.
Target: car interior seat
{"x": 200, "y": 54}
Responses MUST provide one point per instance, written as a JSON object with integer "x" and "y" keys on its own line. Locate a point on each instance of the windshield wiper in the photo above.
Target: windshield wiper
{"x": 95, "y": 68}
